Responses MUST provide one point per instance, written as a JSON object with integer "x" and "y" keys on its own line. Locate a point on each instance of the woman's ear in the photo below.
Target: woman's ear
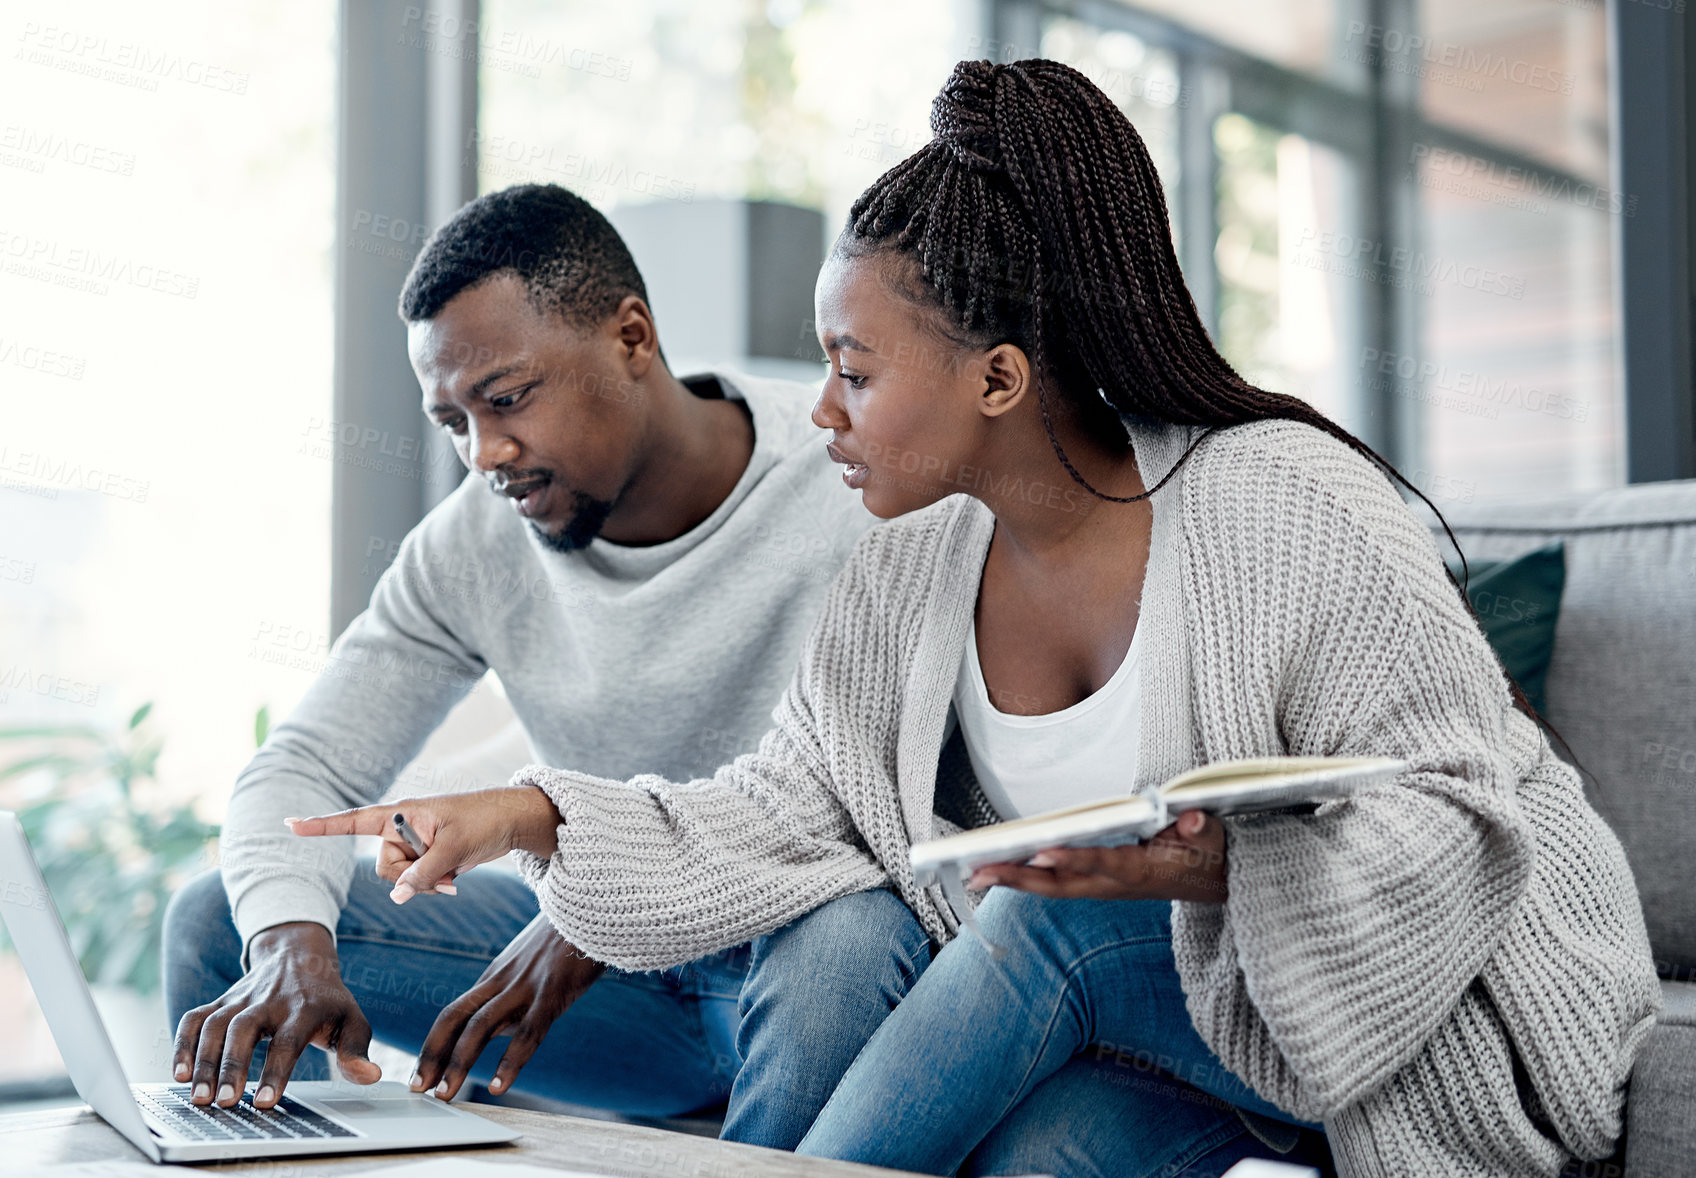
{"x": 1006, "y": 379}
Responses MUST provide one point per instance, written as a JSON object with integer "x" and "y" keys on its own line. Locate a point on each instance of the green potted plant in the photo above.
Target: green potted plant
{"x": 111, "y": 849}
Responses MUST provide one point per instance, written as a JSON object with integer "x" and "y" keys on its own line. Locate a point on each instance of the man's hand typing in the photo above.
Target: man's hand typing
{"x": 534, "y": 981}
{"x": 293, "y": 995}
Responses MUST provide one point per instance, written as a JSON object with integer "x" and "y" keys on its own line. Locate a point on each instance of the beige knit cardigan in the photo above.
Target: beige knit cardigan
{"x": 1383, "y": 965}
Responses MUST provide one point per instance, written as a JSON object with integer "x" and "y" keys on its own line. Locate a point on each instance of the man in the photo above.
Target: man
{"x": 639, "y": 562}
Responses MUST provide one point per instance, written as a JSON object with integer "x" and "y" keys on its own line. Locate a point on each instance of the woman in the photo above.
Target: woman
{"x": 1448, "y": 971}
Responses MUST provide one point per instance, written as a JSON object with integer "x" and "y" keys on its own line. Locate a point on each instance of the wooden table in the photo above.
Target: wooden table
{"x": 551, "y": 1140}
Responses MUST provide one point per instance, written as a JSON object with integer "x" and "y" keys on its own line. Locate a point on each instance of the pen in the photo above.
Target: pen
{"x": 404, "y": 829}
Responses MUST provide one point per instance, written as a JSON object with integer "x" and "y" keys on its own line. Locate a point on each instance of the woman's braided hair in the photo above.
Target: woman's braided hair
{"x": 1035, "y": 216}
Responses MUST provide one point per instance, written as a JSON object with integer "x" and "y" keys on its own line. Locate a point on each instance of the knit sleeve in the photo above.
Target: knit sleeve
{"x": 1348, "y": 935}
{"x": 651, "y": 873}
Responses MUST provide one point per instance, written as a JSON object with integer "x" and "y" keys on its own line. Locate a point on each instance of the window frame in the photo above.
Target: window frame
{"x": 1375, "y": 127}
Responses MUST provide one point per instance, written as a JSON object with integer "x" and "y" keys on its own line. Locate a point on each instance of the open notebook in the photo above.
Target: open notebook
{"x": 1224, "y": 787}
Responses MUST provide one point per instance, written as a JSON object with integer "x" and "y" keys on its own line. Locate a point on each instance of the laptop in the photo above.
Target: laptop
{"x": 313, "y": 1117}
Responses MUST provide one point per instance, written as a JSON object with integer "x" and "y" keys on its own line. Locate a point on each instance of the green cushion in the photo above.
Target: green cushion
{"x": 1518, "y": 602}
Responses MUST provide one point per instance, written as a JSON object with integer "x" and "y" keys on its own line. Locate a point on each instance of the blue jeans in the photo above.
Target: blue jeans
{"x": 1073, "y": 1055}
{"x": 768, "y": 1026}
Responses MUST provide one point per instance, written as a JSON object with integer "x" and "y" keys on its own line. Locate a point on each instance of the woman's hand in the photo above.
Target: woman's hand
{"x": 459, "y": 831}
{"x": 1186, "y": 861}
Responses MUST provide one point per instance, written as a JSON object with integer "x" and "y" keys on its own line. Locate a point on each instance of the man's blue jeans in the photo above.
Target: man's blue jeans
{"x": 769, "y": 1026}
{"x": 1073, "y": 1055}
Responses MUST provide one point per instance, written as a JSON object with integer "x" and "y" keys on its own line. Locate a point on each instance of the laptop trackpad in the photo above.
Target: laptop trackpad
{"x": 397, "y": 1107}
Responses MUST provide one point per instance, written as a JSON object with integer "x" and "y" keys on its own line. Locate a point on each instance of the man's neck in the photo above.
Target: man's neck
{"x": 698, "y": 448}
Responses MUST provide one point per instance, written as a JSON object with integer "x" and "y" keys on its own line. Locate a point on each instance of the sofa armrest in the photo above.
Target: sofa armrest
{"x": 1660, "y": 1139}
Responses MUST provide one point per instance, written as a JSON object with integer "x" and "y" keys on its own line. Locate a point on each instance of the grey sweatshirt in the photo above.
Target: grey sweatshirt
{"x": 1377, "y": 965}
{"x": 666, "y": 658}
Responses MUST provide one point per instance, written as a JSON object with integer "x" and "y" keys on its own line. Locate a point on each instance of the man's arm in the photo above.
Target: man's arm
{"x": 389, "y": 681}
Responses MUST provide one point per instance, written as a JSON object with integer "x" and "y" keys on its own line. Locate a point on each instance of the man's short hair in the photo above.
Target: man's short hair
{"x": 569, "y": 257}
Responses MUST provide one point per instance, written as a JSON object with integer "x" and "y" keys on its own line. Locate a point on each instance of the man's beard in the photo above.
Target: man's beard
{"x": 588, "y": 517}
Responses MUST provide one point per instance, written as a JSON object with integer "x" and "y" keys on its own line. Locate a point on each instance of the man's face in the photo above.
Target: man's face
{"x": 544, "y": 411}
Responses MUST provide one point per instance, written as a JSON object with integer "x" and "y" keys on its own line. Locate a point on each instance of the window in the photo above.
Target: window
{"x": 1410, "y": 221}
{"x": 165, "y": 342}
{"x": 659, "y": 100}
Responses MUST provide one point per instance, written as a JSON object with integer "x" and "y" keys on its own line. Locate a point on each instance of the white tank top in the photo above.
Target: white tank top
{"x": 1029, "y": 764}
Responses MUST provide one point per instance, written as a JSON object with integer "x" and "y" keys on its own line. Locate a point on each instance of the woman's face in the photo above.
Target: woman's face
{"x": 903, "y": 403}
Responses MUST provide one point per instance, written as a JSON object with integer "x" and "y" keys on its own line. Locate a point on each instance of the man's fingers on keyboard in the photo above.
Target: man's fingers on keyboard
{"x": 287, "y": 1042}
{"x": 271, "y": 1085}
{"x": 239, "y": 1039}
{"x": 210, "y": 1053}
{"x": 188, "y": 1042}
{"x": 275, "y": 1076}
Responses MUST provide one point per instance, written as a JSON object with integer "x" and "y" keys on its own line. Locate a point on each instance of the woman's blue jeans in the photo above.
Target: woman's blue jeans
{"x": 1074, "y": 1054}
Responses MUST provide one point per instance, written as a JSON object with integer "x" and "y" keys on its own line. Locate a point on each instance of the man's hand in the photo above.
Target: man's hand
{"x": 1186, "y": 861}
{"x": 459, "y": 832}
{"x": 532, "y": 983}
{"x": 294, "y": 995}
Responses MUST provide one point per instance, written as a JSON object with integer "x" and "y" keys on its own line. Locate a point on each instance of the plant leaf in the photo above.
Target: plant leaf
{"x": 30, "y": 731}
{"x": 66, "y": 765}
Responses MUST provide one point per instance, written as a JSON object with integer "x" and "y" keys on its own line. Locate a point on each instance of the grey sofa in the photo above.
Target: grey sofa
{"x": 1622, "y": 690}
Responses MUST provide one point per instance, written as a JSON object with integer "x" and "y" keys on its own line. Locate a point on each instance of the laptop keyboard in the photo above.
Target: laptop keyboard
{"x": 289, "y": 1120}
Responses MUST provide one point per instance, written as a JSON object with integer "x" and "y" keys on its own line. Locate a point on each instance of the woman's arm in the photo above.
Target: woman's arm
{"x": 648, "y": 873}
{"x": 1349, "y": 935}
